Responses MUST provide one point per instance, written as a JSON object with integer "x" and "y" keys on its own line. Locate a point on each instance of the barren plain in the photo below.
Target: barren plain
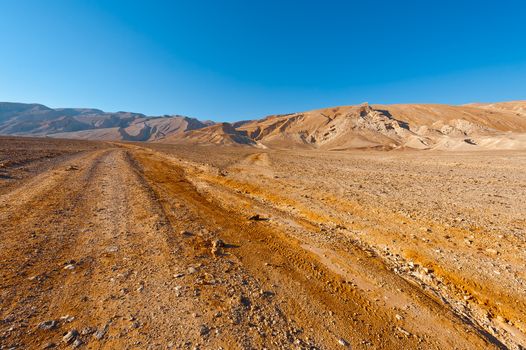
{"x": 113, "y": 245}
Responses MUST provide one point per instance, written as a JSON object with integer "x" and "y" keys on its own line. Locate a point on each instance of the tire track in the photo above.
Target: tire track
{"x": 309, "y": 290}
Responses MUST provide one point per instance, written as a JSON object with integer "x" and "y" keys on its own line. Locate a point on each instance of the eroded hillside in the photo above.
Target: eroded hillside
{"x": 414, "y": 126}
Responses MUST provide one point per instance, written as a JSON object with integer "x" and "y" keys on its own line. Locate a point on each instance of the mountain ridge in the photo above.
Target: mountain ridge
{"x": 418, "y": 126}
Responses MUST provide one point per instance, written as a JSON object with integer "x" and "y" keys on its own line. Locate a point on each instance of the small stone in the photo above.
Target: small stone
{"x": 343, "y": 342}
{"x": 217, "y": 247}
{"x": 67, "y": 318}
{"x": 258, "y": 217}
{"x": 218, "y": 243}
{"x": 70, "y": 336}
{"x": 47, "y": 325}
{"x": 243, "y": 300}
{"x": 78, "y": 342}
{"x": 88, "y": 330}
{"x": 399, "y": 317}
{"x": 403, "y": 331}
{"x": 192, "y": 270}
{"x": 427, "y": 270}
{"x": 69, "y": 267}
{"x": 492, "y": 251}
{"x": 49, "y": 346}
{"x": 204, "y": 330}
{"x": 112, "y": 249}
{"x": 101, "y": 332}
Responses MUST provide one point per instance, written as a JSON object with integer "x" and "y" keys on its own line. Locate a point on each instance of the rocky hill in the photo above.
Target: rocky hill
{"x": 416, "y": 126}
{"x": 216, "y": 134}
{"x": 93, "y": 124}
{"x": 392, "y": 126}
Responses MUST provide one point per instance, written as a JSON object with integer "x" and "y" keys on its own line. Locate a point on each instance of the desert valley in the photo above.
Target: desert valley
{"x": 359, "y": 227}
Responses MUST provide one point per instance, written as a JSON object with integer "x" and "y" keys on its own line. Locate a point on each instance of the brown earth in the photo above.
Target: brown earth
{"x": 328, "y": 250}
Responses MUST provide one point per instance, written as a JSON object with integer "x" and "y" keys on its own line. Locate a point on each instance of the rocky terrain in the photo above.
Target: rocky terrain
{"x": 412, "y": 126}
{"x": 157, "y": 246}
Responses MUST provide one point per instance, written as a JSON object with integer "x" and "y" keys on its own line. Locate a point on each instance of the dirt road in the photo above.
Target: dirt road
{"x": 118, "y": 247}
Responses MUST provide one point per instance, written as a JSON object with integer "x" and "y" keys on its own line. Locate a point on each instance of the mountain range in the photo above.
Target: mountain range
{"x": 417, "y": 126}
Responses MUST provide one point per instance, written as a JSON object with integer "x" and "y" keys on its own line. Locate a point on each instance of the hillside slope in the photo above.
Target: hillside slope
{"x": 516, "y": 107}
{"x": 390, "y": 126}
{"x": 418, "y": 126}
{"x": 217, "y": 134}
{"x": 93, "y": 124}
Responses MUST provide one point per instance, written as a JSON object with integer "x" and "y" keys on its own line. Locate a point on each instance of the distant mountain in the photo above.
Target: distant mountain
{"x": 417, "y": 126}
{"x": 94, "y": 124}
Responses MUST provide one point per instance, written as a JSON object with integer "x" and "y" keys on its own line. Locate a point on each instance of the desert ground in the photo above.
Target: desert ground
{"x": 116, "y": 245}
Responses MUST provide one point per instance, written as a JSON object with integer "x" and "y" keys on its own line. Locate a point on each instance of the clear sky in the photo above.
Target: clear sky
{"x": 229, "y": 60}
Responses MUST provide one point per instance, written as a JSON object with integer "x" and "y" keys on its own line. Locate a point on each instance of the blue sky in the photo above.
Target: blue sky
{"x": 230, "y": 60}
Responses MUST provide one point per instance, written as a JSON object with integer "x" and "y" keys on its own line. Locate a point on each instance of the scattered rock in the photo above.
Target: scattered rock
{"x": 217, "y": 247}
{"x": 112, "y": 249}
{"x": 427, "y": 270}
{"x": 101, "y": 332}
{"x": 186, "y": 233}
{"x": 403, "y": 331}
{"x": 72, "y": 168}
{"x": 70, "y": 336}
{"x": 78, "y": 342}
{"x": 266, "y": 293}
{"x": 399, "y": 317}
{"x": 67, "y": 318}
{"x": 192, "y": 270}
{"x": 49, "y": 346}
{"x": 343, "y": 342}
{"x": 69, "y": 267}
{"x": 204, "y": 330}
{"x": 492, "y": 251}
{"x": 258, "y": 217}
{"x": 47, "y": 325}
{"x": 88, "y": 330}
{"x": 218, "y": 243}
{"x": 243, "y": 300}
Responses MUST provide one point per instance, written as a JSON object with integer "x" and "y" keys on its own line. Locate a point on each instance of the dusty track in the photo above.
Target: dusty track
{"x": 123, "y": 244}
